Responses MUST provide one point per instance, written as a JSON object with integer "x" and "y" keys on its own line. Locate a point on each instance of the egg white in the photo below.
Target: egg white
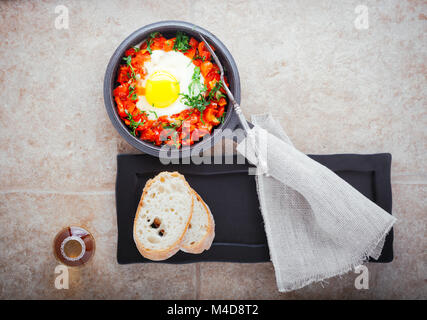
{"x": 178, "y": 65}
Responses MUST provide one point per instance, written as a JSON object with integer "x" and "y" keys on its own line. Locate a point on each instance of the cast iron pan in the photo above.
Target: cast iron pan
{"x": 169, "y": 29}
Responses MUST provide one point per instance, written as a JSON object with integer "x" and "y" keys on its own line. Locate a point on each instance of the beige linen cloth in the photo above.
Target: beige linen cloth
{"x": 317, "y": 225}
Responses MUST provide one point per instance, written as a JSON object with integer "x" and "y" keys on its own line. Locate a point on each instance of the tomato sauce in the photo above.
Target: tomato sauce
{"x": 181, "y": 129}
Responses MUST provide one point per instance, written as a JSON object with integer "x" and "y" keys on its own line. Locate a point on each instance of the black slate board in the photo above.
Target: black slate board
{"x": 231, "y": 195}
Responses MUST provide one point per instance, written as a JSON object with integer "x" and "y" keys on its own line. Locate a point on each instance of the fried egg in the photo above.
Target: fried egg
{"x": 167, "y": 75}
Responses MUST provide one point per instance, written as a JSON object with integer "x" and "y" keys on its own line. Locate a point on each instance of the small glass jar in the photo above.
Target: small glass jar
{"x": 74, "y": 246}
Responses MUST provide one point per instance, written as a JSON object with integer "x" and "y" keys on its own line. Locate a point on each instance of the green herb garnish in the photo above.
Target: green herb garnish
{"x": 172, "y": 132}
{"x": 196, "y": 86}
{"x": 150, "y": 41}
{"x": 174, "y": 138}
{"x": 198, "y": 57}
{"x": 197, "y": 102}
{"x": 133, "y": 125}
{"x": 215, "y": 93}
{"x": 195, "y": 58}
{"x": 188, "y": 117}
{"x": 128, "y": 61}
{"x": 222, "y": 118}
{"x": 196, "y": 90}
{"x": 154, "y": 112}
{"x": 132, "y": 93}
{"x": 172, "y": 126}
{"x": 181, "y": 42}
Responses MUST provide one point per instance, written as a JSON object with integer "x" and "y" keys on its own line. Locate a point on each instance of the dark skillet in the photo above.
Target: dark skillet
{"x": 169, "y": 29}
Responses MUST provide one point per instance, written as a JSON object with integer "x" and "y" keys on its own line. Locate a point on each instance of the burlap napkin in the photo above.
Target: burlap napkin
{"x": 317, "y": 225}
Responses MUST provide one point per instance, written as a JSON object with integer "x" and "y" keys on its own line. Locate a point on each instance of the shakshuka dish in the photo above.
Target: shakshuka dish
{"x": 169, "y": 91}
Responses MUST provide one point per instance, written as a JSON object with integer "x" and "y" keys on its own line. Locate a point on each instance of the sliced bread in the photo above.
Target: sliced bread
{"x": 201, "y": 230}
{"x": 163, "y": 215}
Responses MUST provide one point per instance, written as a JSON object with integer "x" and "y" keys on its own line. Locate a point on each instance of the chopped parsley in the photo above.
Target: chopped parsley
{"x": 133, "y": 125}
{"x": 196, "y": 86}
{"x": 222, "y": 118}
{"x": 128, "y": 61}
{"x": 181, "y": 42}
{"x": 196, "y": 56}
{"x": 188, "y": 117}
{"x": 132, "y": 93}
{"x": 154, "y": 112}
{"x": 215, "y": 93}
{"x": 197, "y": 102}
{"x": 150, "y": 41}
{"x": 172, "y": 132}
{"x": 175, "y": 141}
{"x": 195, "y": 99}
{"x": 172, "y": 125}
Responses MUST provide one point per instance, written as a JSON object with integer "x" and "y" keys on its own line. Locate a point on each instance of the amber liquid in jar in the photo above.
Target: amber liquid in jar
{"x": 74, "y": 246}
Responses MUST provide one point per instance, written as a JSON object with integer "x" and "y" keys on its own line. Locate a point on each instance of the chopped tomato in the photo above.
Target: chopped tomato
{"x": 213, "y": 75}
{"x": 140, "y": 58}
{"x": 215, "y": 68}
{"x": 138, "y": 116}
{"x": 220, "y": 112}
{"x": 120, "y": 108}
{"x": 157, "y": 43}
{"x": 140, "y": 91}
{"x": 163, "y": 119}
{"x": 206, "y": 67}
{"x": 197, "y": 62}
{"x": 129, "y": 105}
{"x": 211, "y": 84}
{"x": 168, "y": 45}
{"x": 204, "y": 52}
{"x": 121, "y": 91}
{"x": 130, "y": 52}
{"x": 222, "y": 102}
{"x": 124, "y": 74}
{"x": 131, "y": 108}
{"x": 206, "y": 55}
{"x": 209, "y": 116}
{"x": 190, "y": 53}
{"x": 143, "y": 46}
{"x": 201, "y": 47}
{"x": 193, "y": 43}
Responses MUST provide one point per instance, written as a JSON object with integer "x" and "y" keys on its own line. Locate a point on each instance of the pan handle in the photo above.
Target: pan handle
{"x": 235, "y": 122}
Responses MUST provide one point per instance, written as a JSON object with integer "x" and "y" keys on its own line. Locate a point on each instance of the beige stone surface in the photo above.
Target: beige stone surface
{"x": 403, "y": 278}
{"x": 28, "y": 225}
{"x": 334, "y": 88}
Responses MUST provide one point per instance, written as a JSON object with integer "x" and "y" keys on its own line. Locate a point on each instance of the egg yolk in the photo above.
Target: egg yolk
{"x": 161, "y": 89}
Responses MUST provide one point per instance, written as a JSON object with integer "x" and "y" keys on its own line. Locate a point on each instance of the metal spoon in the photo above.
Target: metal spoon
{"x": 261, "y": 162}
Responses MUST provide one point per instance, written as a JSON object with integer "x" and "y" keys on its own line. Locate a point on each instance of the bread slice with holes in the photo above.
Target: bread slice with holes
{"x": 163, "y": 215}
{"x": 201, "y": 230}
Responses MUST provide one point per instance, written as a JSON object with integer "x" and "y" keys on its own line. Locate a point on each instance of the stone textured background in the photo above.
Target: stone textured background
{"x": 335, "y": 89}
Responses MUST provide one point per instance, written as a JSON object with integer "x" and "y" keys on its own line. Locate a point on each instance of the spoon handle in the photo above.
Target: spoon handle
{"x": 262, "y": 164}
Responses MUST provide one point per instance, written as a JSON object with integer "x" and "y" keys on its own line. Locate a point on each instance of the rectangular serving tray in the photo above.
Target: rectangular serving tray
{"x": 232, "y": 197}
